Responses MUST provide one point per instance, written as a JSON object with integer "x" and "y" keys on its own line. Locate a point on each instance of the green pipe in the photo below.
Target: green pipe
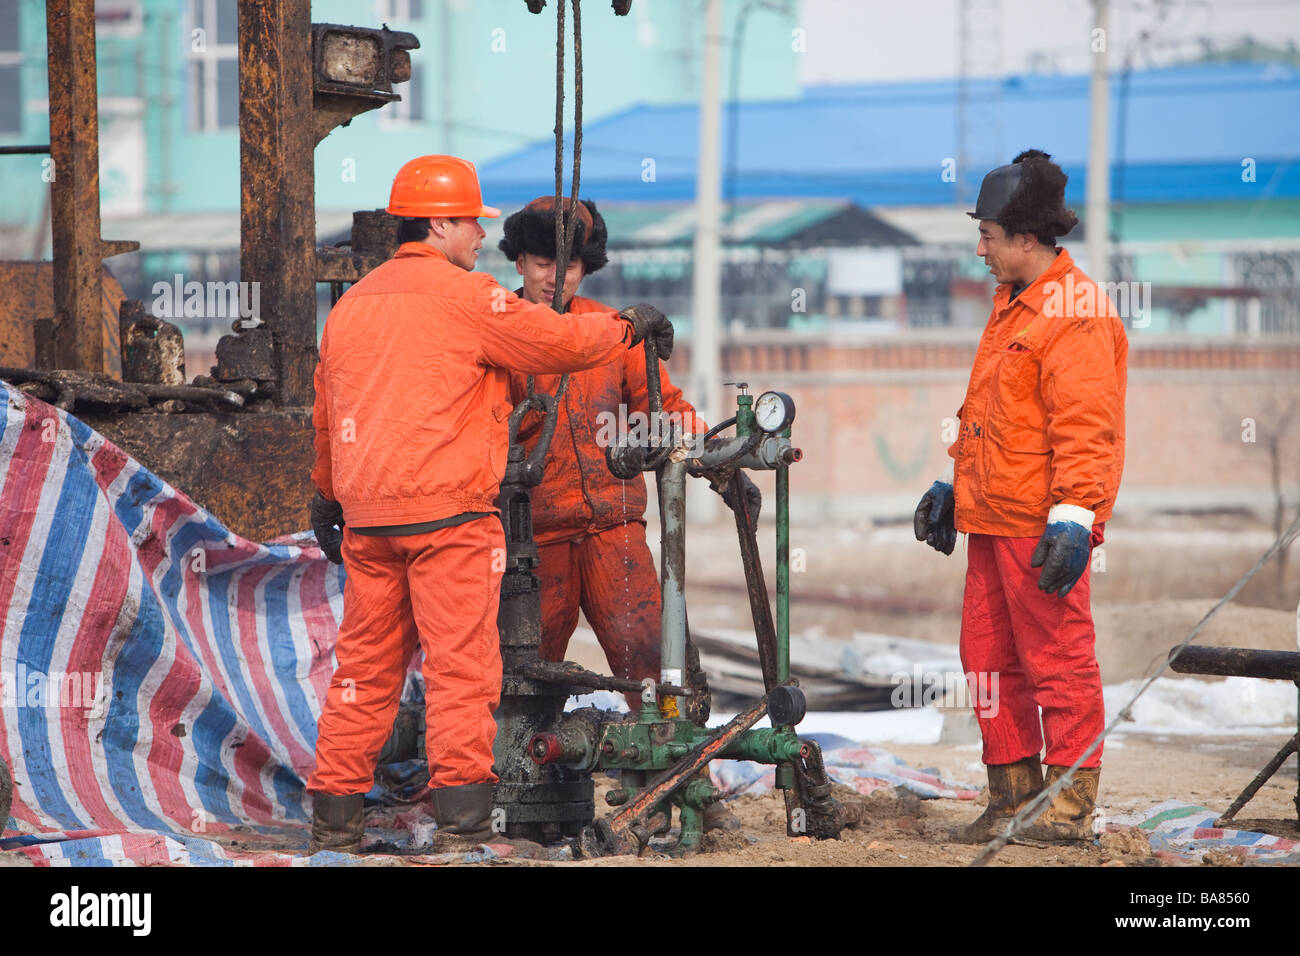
{"x": 745, "y": 423}
{"x": 765, "y": 746}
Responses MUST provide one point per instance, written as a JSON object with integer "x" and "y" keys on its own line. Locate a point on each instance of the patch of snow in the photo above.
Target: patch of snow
{"x": 888, "y": 657}
{"x": 916, "y": 725}
{"x": 1234, "y": 706}
{"x": 600, "y": 699}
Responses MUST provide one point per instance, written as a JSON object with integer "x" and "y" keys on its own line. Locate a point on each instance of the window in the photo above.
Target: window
{"x": 11, "y": 60}
{"x": 411, "y": 107}
{"x": 404, "y": 15}
{"x": 118, "y": 18}
{"x": 214, "y": 64}
{"x": 400, "y": 11}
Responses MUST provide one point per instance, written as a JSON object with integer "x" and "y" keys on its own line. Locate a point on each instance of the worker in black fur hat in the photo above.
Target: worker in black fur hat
{"x": 1036, "y": 469}
{"x": 589, "y": 525}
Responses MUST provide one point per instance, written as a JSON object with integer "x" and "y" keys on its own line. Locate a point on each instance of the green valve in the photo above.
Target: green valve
{"x": 745, "y": 424}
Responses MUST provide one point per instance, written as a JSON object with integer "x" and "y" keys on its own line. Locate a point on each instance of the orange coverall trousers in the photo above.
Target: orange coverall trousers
{"x": 611, "y": 576}
{"x": 1039, "y": 648}
{"x": 438, "y": 590}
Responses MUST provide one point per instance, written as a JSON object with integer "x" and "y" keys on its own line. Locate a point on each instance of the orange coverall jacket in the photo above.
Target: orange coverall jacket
{"x": 413, "y": 392}
{"x": 1043, "y": 420}
{"x": 578, "y": 495}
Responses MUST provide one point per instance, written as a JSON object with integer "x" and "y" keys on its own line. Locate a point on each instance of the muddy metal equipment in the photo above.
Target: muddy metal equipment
{"x": 540, "y": 803}
{"x": 545, "y": 757}
{"x": 1247, "y": 662}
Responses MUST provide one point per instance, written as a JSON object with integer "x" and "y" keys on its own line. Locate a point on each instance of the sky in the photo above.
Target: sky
{"x": 856, "y": 41}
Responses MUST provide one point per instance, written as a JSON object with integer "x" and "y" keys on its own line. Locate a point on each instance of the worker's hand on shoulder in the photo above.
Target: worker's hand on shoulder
{"x": 648, "y": 323}
{"x": 933, "y": 520}
{"x": 327, "y": 523}
{"x": 1063, "y": 549}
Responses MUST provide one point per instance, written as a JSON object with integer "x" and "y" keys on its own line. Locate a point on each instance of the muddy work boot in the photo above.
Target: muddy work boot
{"x": 338, "y": 823}
{"x": 718, "y": 817}
{"x": 464, "y": 817}
{"x": 1069, "y": 817}
{"x": 1011, "y": 786}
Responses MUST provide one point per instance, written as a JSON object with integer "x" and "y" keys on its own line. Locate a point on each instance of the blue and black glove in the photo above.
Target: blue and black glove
{"x": 1063, "y": 549}
{"x": 649, "y": 323}
{"x": 933, "y": 520}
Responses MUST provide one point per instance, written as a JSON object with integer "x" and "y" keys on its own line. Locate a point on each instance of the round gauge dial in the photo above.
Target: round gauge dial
{"x": 774, "y": 411}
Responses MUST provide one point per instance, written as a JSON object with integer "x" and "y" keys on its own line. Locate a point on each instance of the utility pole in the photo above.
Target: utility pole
{"x": 448, "y": 83}
{"x": 706, "y": 298}
{"x": 979, "y": 111}
{"x": 1098, "y": 198}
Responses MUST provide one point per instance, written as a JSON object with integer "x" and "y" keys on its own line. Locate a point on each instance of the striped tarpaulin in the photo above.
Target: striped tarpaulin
{"x": 1187, "y": 830}
{"x": 161, "y": 676}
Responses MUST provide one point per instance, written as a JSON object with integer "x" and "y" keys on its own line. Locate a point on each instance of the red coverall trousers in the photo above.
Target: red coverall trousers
{"x": 1039, "y": 648}
{"x": 611, "y": 576}
{"x": 437, "y": 589}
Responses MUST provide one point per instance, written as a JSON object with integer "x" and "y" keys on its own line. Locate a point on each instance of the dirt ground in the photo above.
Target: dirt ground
{"x": 907, "y": 831}
{"x": 1161, "y": 575}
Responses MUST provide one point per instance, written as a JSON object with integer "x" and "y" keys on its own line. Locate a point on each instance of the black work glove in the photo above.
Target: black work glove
{"x": 649, "y": 323}
{"x": 1062, "y": 553}
{"x": 327, "y": 523}
{"x": 753, "y": 498}
{"x": 933, "y": 520}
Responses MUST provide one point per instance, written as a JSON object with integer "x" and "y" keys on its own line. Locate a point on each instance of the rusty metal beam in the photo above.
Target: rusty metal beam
{"x": 277, "y": 210}
{"x": 248, "y": 469}
{"x": 76, "y": 332}
{"x": 374, "y": 241}
{"x": 1236, "y": 662}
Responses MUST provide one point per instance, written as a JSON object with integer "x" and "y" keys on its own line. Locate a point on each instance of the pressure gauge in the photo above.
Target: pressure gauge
{"x": 774, "y": 411}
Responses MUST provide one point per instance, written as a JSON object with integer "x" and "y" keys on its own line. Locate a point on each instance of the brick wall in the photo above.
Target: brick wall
{"x": 871, "y": 419}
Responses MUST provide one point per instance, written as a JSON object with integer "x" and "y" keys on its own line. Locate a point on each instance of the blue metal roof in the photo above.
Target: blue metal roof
{"x": 1188, "y": 130}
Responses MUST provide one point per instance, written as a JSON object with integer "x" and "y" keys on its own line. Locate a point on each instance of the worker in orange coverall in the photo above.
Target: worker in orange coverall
{"x": 589, "y": 525}
{"x": 1037, "y": 466}
{"x": 412, "y": 397}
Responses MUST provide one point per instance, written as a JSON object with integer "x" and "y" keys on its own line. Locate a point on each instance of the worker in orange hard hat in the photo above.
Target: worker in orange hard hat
{"x": 589, "y": 525}
{"x": 412, "y": 397}
{"x": 1037, "y": 468}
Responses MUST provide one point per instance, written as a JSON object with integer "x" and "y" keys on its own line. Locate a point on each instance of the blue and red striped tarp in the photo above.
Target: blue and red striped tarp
{"x": 159, "y": 675}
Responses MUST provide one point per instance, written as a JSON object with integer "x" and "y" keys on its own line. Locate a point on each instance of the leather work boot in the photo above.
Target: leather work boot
{"x": 338, "y": 823}
{"x": 1069, "y": 817}
{"x": 1011, "y": 786}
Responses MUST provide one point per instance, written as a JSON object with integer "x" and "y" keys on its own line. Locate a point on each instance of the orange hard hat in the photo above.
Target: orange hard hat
{"x": 438, "y": 186}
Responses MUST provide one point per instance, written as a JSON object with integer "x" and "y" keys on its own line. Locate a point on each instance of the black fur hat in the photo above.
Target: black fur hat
{"x": 1037, "y": 205}
{"x": 532, "y": 230}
